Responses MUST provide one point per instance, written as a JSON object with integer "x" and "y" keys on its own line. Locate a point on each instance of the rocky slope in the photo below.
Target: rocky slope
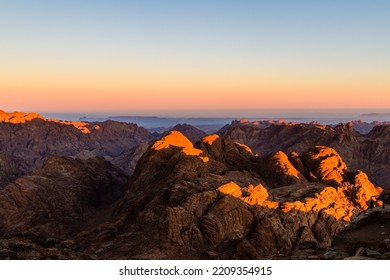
{"x": 60, "y": 197}
{"x": 212, "y": 200}
{"x": 41, "y": 213}
{"x": 26, "y": 140}
{"x": 215, "y": 199}
{"x": 369, "y": 153}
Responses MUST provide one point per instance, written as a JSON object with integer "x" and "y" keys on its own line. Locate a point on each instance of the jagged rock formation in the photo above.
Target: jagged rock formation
{"x": 26, "y": 140}
{"x": 196, "y": 208}
{"x": 324, "y": 165}
{"x": 213, "y": 199}
{"x": 365, "y": 127}
{"x": 360, "y": 126}
{"x": 369, "y": 153}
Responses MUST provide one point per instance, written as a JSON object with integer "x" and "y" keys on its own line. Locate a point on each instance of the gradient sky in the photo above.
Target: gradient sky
{"x": 117, "y": 55}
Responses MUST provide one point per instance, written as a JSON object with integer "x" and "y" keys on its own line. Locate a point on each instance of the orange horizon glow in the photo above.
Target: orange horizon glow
{"x": 99, "y": 93}
{"x": 179, "y": 57}
{"x": 65, "y": 89}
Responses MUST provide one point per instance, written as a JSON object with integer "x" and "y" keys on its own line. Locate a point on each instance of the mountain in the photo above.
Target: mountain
{"x": 161, "y": 124}
{"x": 60, "y": 197}
{"x": 369, "y": 153}
{"x": 360, "y": 126}
{"x": 67, "y": 192}
{"x": 18, "y": 117}
{"x": 191, "y": 132}
{"x": 42, "y": 213}
{"x": 365, "y": 127}
{"x": 210, "y": 200}
{"x": 27, "y": 140}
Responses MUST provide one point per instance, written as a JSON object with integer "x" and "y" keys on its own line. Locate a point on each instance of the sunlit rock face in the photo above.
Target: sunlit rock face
{"x": 21, "y": 118}
{"x": 253, "y": 195}
{"x": 229, "y": 152}
{"x": 325, "y": 165}
{"x": 18, "y": 117}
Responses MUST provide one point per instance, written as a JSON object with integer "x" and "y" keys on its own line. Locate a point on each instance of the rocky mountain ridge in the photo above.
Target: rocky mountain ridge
{"x": 363, "y": 127}
{"x": 208, "y": 201}
{"x": 369, "y": 153}
{"x": 27, "y": 140}
{"x": 71, "y": 196}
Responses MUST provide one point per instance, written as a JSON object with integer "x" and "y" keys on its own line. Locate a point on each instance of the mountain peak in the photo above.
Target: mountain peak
{"x": 210, "y": 139}
{"x": 173, "y": 138}
{"x": 191, "y": 132}
{"x": 18, "y": 117}
{"x": 177, "y": 139}
{"x": 21, "y": 117}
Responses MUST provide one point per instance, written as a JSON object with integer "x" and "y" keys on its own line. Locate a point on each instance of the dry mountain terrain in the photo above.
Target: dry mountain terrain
{"x": 71, "y": 196}
{"x": 26, "y": 141}
{"x": 369, "y": 153}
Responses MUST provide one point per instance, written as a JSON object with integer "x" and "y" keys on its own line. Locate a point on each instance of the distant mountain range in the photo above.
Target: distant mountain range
{"x": 212, "y": 125}
{"x": 376, "y": 115}
{"x": 161, "y": 124}
{"x": 366, "y": 127}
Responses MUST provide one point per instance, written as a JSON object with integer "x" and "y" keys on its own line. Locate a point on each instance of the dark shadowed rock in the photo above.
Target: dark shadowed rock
{"x": 60, "y": 198}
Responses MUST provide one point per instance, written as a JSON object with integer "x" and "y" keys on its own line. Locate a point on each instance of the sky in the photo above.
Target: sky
{"x": 145, "y": 55}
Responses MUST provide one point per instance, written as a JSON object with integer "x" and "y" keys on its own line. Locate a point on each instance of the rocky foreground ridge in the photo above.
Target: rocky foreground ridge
{"x": 211, "y": 200}
{"x": 208, "y": 200}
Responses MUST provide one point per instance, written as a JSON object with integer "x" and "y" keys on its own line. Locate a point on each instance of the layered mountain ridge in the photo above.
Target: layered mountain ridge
{"x": 26, "y": 141}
